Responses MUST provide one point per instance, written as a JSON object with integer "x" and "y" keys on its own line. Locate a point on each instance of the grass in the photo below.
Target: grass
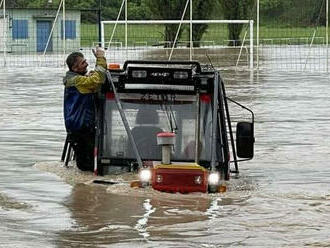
{"x": 215, "y": 35}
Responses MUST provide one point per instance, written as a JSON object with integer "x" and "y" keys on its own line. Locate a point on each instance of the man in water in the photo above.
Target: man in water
{"x": 79, "y": 104}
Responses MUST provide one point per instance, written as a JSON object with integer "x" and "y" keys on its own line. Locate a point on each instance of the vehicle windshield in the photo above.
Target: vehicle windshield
{"x": 149, "y": 116}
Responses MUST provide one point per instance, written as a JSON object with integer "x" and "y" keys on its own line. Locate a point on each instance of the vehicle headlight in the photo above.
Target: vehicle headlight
{"x": 145, "y": 175}
{"x": 214, "y": 178}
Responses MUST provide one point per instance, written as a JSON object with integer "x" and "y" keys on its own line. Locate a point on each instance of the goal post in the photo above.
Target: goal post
{"x": 189, "y": 23}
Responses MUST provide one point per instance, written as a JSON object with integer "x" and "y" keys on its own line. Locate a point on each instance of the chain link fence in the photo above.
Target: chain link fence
{"x": 44, "y": 37}
{"x": 291, "y": 35}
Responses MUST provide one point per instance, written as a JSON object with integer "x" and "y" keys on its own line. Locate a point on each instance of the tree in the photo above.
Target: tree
{"x": 202, "y": 10}
{"x": 138, "y": 10}
{"x": 173, "y": 9}
{"x": 76, "y": 4}
{"x": 167, "y": 10}
{"x": 236, "y": 10}
{"x": 272, "y": 8}
{"x": 318, "y": 15}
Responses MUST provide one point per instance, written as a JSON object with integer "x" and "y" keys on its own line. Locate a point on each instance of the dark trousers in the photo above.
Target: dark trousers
{"x": 83, "y": 146}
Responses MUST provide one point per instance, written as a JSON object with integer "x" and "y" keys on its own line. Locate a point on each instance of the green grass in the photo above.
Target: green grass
{"x": 299, "y": 35}
{"x": 215, "y": 35}
{"x": 137, "y": 34}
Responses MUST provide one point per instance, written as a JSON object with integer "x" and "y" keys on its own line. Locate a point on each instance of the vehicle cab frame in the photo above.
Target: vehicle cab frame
{"x": 179, "y": 97}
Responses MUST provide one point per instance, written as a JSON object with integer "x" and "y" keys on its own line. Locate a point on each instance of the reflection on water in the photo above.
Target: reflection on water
{"x": 141, "y": 225}
{"x": 281, "y": 198}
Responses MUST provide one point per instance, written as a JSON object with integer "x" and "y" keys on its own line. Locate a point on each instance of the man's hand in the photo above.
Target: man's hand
{"x": 99, "y": 52}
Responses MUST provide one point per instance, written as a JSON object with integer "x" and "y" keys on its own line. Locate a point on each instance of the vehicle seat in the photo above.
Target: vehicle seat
{"x": 146, "y": 141}
{"x": 145, "y": 135}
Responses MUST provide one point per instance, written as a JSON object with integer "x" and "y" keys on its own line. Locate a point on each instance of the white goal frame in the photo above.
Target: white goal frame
{"x": 148, "y": 22}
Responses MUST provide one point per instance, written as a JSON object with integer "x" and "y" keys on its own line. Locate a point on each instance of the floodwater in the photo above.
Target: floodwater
{"x": 280, "y": 199}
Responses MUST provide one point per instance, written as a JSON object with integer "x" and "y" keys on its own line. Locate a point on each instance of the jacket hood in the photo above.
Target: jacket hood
{"x": 68, "y": 75}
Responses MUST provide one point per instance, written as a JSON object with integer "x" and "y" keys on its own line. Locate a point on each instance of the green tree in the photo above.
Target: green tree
{"x": 173, "y": 10}
{"x": 293, "y": 12}
{"x": 236, "y": 10}
{"x": 167, "y": 10}
{"x": 318, "y": 14}
{"x": 201, "y": 11}
{"x": 76, "y": 4}
{"x": 15, "y": 3}
{"x": 138, "y": 10}
{"x": 271, "y": 8}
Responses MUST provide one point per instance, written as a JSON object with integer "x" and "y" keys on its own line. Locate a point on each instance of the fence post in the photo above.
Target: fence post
{"x": 258, "y": 16}
{"x": 102, "y": 35}
{"x": 126, "y": 24}
{"x": 4, "y": 33}
{"x": 100, "y": 19}
{"x": 53, "y": 26}
{"x": 327, "y": 32}
{"x": 251, "y": 44}
{"x": 191, "y": 26}
{"x": 64, "y": 38}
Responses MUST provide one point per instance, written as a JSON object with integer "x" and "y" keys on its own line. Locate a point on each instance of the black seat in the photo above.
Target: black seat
{"x": 146, "y": 141}
{"x": 145, "y": 134}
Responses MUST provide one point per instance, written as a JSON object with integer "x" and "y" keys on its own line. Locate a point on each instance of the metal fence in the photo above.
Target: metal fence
{"x": 43, "y": 37}
{"x": 293, "y": 37}
{"x": 143, "y": 40}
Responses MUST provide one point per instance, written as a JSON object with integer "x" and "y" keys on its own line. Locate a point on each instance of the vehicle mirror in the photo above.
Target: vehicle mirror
{"x": 244, "y": 139}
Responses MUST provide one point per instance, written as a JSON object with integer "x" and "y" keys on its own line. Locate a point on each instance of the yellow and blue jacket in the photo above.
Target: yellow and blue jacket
{"x": 79, "y": 97}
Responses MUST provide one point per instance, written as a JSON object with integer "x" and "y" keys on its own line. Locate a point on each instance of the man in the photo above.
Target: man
{"x": 79, "y": 104}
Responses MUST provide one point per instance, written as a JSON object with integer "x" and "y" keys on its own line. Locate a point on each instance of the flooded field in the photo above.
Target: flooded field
{"x": 280, "y": 199}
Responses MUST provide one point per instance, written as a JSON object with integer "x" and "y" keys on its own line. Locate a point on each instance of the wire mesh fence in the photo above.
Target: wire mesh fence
{"x": 43, "y": 37}
{"x": 291, "y": 35}
{"x": 160, "y": 40}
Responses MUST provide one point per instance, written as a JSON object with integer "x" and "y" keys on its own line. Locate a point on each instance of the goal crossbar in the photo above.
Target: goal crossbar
{"x": 177, "y": 21}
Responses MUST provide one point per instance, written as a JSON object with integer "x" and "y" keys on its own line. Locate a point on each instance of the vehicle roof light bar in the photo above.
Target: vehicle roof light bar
{"x": 159, "y": 87}
{"x": 146, "y": 62}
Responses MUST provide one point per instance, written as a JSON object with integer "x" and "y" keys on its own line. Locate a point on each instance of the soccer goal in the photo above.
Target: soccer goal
{"x": 179, "y": 39}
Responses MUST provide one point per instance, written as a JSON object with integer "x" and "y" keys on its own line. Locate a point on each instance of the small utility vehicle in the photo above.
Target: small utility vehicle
{"x": 170, "y": 121}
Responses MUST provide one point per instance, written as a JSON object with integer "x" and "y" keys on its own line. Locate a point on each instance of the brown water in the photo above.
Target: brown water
{"x": 281, "y": 199}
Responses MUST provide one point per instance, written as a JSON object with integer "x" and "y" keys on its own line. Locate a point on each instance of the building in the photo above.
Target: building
{"x": 32, "y": 30}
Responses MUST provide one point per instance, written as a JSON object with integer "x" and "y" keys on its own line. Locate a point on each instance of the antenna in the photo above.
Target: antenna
{"x": 208, "y": 57}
